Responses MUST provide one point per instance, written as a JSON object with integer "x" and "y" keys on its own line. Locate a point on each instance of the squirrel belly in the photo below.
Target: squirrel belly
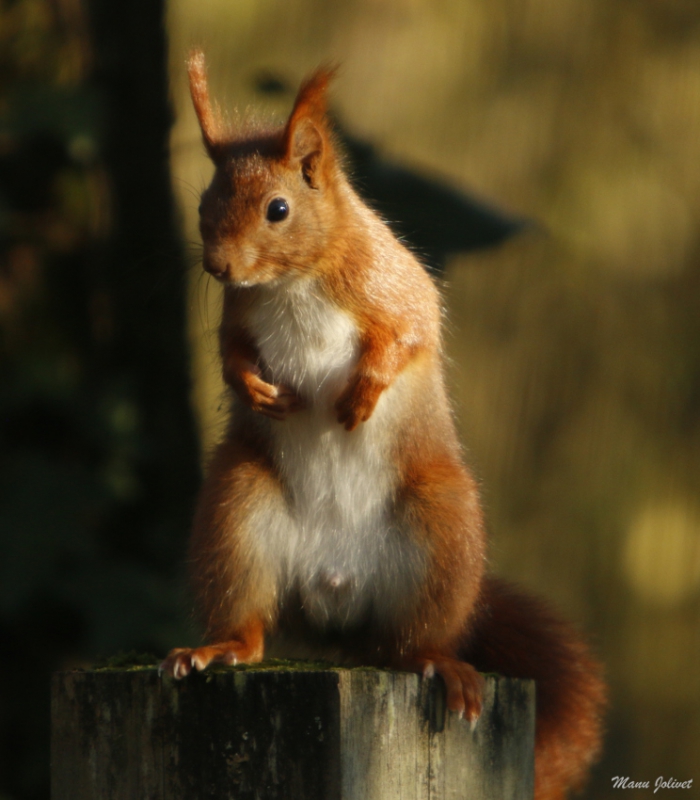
{"x": 340, "y": 550}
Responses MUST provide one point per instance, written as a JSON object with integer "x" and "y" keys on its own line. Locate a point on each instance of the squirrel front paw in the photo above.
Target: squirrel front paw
{"x": 357, "y": 401}
{"x": 273, "y": 400}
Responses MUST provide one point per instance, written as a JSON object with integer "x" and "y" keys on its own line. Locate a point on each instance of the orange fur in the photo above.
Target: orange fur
{"x": 338, "y": 518}
{"x": 516, "y": 635}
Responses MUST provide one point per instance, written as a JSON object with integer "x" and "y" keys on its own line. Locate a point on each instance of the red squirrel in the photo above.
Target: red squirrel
{"x": 338, "y": 519}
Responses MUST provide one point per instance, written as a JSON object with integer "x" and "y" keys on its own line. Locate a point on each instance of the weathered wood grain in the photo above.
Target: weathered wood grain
{"x": 285, "y": 734}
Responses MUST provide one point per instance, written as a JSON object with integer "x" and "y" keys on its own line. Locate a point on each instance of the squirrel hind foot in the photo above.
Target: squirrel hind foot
{"x": 463, "y": 684}
{"x": 182, "y": 660}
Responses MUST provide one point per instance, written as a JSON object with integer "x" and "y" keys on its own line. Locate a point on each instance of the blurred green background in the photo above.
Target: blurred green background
{"x": 574, "y": 348}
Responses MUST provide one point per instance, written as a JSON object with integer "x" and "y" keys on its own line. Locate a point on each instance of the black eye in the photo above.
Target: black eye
{"x": 277, "y": 210}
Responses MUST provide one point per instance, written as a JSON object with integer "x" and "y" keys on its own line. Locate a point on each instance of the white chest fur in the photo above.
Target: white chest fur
{"x": 304, "y": 340}
{"x": 338, "y": 544}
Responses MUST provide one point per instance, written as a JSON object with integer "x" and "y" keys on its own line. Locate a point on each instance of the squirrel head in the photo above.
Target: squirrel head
{"x": 271, "y": 207}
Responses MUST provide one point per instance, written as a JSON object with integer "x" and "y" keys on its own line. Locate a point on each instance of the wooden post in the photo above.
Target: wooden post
{"x": 285, "y": 734}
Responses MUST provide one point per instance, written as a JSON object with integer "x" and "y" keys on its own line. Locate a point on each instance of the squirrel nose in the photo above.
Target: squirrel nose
{"x": 216, "y": 270}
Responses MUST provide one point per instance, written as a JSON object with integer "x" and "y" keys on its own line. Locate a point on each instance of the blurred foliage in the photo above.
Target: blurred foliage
{"x": 98, "y": 458}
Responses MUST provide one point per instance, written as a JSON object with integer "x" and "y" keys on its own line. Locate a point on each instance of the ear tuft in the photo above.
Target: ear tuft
{"x": 209, "y": 120}
{"x": 307, "y": 133}
{"x": 312, "y": 98}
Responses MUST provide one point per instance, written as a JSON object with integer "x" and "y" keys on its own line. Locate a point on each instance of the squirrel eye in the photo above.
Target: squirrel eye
{"x": 277, "y": 210}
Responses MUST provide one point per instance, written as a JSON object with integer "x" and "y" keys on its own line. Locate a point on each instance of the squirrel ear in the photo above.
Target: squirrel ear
{"x": 306, "y": 135}
{"x": 209, "y": 120}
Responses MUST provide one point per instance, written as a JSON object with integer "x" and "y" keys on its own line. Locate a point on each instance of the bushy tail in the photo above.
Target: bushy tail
{"x": 518, "y": 636}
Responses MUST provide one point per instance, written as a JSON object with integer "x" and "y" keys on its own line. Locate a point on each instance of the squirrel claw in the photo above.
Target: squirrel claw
{"x": 178, "y": 663}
